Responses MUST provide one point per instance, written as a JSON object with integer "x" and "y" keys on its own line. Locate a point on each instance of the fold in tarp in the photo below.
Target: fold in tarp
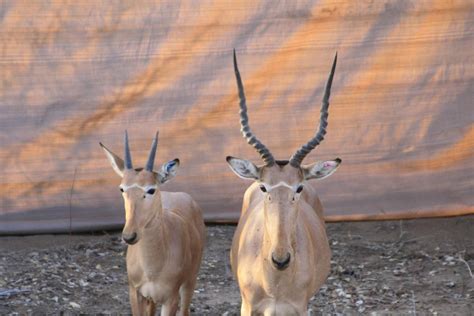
{"x": 401, "y": 115}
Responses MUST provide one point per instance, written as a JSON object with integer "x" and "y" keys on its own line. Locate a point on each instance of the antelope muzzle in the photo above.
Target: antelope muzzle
{"x": 281, "y": 263}
{"x": 130, "y": 238}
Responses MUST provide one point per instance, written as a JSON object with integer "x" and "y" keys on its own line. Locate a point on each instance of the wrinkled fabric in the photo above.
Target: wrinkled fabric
{"x": 73, "y": 74}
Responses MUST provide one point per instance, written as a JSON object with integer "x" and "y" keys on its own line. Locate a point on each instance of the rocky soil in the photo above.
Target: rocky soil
{"x": 413, "y": 267}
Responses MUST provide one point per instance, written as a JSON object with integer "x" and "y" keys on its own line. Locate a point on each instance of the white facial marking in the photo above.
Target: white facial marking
{"x": 279, "y": 184}
{"x": 135, "y": 185}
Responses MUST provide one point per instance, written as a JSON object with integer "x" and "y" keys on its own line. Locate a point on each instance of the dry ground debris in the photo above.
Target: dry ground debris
{"x": 402, "y": 267}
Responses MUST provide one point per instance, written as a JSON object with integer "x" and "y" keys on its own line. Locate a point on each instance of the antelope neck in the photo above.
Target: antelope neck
{"x": 153, "y": 242}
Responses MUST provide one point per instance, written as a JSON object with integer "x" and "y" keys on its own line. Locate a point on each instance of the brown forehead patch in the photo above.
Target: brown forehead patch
{"x": 140, "y": 177}
{"x": 281, "y": 172}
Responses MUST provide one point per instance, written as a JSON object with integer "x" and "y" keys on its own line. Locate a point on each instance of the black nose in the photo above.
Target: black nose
{"x": 281, "y": 264}
{"x": 130, "y": 239}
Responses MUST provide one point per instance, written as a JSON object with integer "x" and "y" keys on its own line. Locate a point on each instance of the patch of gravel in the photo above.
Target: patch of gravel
{"x": 406, "y": 267}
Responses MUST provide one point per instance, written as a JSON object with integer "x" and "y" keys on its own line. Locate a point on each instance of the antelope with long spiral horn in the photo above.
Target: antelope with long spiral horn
{"x": 280, "y": 254}
{"x": 165, "y": 233}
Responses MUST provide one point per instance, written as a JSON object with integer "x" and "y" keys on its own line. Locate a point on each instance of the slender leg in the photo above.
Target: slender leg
{"x": 245, "y": 308}
{"x": 170, "y": 307}
{"x": 134, "y": 300}
{"x": 150, "y": 308}
{"x": 140, "y": 305}
{"x": 186, "y": 292}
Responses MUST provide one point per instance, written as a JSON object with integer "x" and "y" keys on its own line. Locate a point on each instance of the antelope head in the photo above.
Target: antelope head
{"x": 282, "y": 182}
{"x": 140, "y": 189}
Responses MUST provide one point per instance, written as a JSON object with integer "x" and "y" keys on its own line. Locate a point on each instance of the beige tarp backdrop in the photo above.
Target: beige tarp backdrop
{"x": 76, "y": 73}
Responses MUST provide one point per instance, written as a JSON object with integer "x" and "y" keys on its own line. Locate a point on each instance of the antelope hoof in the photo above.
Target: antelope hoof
{"x": 281, "y": 264}
{"x": 130, "y": 239}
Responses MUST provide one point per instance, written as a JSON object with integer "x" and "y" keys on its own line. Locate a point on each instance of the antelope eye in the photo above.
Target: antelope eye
{"x": 151, "y": 191}
{"x": 121, "y": 190}
{"x": 299, "y": 189}
{"x": 262, "y": 187}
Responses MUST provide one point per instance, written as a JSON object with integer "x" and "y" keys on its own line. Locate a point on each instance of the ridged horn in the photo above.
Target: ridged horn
{"x": 244, "y": 122}
{"x": 151, "y": 157}
{"x": 301, "y": 153}
{"x": 128, "y": 157}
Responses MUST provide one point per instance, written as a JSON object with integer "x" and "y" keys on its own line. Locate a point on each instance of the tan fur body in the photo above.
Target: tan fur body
{"x": 166, "y": 260}
{"x": 280, "y": 254}
{"x": 166, "y": 235}
{"x": 264, "y": 289}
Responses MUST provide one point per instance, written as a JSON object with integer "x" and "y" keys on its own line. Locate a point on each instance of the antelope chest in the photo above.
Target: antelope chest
{"x": 282, "y": 295}
{"x": 269, "y": 290}
{"x": 156, "y": 282}
{"x": 156, "y": 291}
{"x": 263, "y": 283}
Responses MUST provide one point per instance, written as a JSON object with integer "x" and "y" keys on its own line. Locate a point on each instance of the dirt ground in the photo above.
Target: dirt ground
{"x": 395, "y": 267}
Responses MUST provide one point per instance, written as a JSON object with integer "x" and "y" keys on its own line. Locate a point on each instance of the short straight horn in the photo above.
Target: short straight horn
{"x": 301, "y": 153}
{"x": 128, "y": 157}
{"x": 244, "y": 122}
{"x": 151, "y": 157}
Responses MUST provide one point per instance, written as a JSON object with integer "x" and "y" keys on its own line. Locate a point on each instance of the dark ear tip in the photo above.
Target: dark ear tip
{"x": 338, "y": 160}
{"x": 229, "y": 158}
{"x": 176, "y": 160}
{"x": 101, "y": 145}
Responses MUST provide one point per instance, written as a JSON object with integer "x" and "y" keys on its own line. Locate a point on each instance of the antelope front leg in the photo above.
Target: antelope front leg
{"x": 186, "y": 293}
{"x": 140, "y": 305}
{"x": 170, "y": 307}
{"x": 150, "y": 308}
{"x": 134, "y": 301}
{"x": 245, "y": 308}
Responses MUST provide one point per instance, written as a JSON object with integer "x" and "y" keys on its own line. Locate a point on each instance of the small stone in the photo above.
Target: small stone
{"x": 448, "y": 258}
{"x": 83, "y": 283}
{"x": 397, "y": 272}
{"x": 74, "y": 305}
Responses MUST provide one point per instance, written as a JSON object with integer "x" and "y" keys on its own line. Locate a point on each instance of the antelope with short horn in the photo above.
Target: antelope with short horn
{"x": 280, "y": 254}
{"x": 165, "y": 234}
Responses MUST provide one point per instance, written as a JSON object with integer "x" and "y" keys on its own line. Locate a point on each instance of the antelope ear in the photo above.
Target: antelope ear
{"x": 168, "y": 171}
{"x": 321, "y": 169}
{"x": 115, "y": 161}
{"x": 243, "y": 168}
